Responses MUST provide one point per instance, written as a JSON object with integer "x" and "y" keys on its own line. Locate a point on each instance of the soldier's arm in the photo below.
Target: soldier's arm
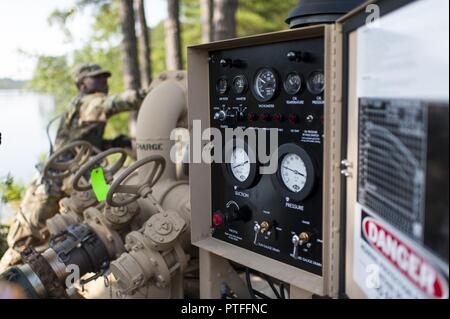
{"x": 127, "y": 101}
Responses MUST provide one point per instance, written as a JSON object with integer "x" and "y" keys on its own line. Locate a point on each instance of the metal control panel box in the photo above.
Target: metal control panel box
{"x": 274, "y": 86}
{"x": 284, "y": 224}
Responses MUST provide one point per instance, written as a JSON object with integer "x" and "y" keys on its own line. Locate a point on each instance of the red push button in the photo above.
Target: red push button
{"x": 278, "y": 117}
{"x": 264, "y": 117}
{"x": 217, "y": 219}
{"x": 293, "y": 118}
{"x": 251, "y": 117}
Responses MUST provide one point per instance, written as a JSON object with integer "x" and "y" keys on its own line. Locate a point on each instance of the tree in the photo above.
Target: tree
{"x": 224, "y": 19}
{"x": 131, "y": 74}
{"x": 173, "y": 36}
{"x": 144, "y": 46}
{"x": 206, "y": 20}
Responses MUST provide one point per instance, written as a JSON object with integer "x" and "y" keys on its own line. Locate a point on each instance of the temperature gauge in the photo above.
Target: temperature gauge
{"x": 293, "y": 83}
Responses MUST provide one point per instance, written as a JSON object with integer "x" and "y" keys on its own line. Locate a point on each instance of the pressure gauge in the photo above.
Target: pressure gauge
{"x": 265, "y": 85}
{"x": 240, "y": 164}
{"x": 293, "y": 83}
{"x": 293, "y": 172}
{"x": 240, "y": 84}
{"x": 316, "y": 82}
{"x": 222, "y": 85}
{"x": 296, "y": 174}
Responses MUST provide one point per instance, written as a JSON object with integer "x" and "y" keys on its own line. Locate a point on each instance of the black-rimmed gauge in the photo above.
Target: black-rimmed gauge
{"x": 293, "y": 83}
{"x": 316, "y": 82}
{"x": 240, "y": 165}
{"x": 265, "y": 84}
{"x": 222, "y": 85}
{"x": 296, "y": 174}
{"x": 240, "y": 84}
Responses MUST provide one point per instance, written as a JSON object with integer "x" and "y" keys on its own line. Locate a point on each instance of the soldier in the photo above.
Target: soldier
{"x": 85, "y": 119}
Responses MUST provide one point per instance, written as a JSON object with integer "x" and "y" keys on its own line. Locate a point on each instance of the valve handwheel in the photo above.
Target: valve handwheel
{"x": 96, "y": 161}
{"x": 143, "y": 189}
{"x": 68, "y": 159}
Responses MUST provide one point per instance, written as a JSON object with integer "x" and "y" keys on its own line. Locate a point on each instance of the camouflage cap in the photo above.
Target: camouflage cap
{"x": 89, "y": 69}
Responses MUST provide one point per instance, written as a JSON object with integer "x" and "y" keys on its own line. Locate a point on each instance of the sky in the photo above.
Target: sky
{"x": 24, "y": 27}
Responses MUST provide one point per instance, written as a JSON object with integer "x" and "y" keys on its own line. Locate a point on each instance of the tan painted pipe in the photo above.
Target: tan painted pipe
{"x": 163, "y": 110}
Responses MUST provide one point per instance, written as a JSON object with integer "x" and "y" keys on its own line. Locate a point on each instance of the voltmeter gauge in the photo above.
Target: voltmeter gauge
{"x": 316, "y": 82}
{"x": 240, "y": 84}
{"x": 293, "y": 83}
{"x": 296, "y": 174}
{"x": 240, "y": 166}
{"x": 265, "y": 84}
{"x": 222, "y": 85}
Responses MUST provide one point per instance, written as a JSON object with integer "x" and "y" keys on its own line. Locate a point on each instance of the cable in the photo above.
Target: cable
{"x": 270, "y": 282}
{"x": 282, "y": 293}
{"x": 253, "y": 293}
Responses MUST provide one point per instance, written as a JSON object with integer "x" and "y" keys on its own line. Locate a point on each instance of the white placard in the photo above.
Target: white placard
{"x": 407, "y": 54}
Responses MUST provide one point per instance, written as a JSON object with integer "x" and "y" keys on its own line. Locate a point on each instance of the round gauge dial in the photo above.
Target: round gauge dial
{"x": 295, "y": 177}
{"x": 265, "y": 85}
{"x": 240, "y": 84}
{"x": 293, "y": 83}
{"x": 316, "y": 82}
{"x": 293, "y": 172}
{"x": 240, "y": 164}
{"x": 222, "y": 85}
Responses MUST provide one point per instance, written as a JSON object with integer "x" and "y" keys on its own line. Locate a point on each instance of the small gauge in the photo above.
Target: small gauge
{"x": 293, "y": 172}
{"x": 240, "y": 84}
{"x": 296, "y": 174}
{"x": 265, "y": 85}
{"x": 316, "y": 82}
{"x": 222, "y": 86}
{"x": 293, "y": 83}
{"x": 240, "y": 164}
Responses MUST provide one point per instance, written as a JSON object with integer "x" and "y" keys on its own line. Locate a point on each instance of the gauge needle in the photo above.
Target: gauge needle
{"x": 293, "y": 170}
{"x": 240, "y": 164}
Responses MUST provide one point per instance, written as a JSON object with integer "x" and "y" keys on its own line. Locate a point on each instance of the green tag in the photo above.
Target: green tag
{"x": 99, "y": 184}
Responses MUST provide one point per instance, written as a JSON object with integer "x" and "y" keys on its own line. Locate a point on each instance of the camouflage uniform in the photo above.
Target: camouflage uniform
{"x": 85, "y": 119}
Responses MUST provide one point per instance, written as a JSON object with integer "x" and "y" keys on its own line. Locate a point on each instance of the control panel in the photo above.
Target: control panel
{"x": 270, "y": 86}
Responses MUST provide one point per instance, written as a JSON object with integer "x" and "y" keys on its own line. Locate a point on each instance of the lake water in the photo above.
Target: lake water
{"x": 23, "y": 120}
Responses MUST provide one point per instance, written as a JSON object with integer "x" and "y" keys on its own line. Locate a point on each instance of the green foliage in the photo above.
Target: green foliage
{"x": 10, "y": 190}
{"x": 52, "y": 74}
{"x": 255, "y": 17}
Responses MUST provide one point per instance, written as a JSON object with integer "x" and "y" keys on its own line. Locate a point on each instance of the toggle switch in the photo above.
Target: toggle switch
{"x": 299, "y": 240}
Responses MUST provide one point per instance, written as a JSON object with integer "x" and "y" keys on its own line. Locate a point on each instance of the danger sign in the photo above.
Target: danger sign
{"x": 389, "y": 265}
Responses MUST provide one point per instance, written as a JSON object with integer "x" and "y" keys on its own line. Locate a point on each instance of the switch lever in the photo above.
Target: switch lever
{"x": 257, "y": 229}
{"x": 295, "y": 241}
